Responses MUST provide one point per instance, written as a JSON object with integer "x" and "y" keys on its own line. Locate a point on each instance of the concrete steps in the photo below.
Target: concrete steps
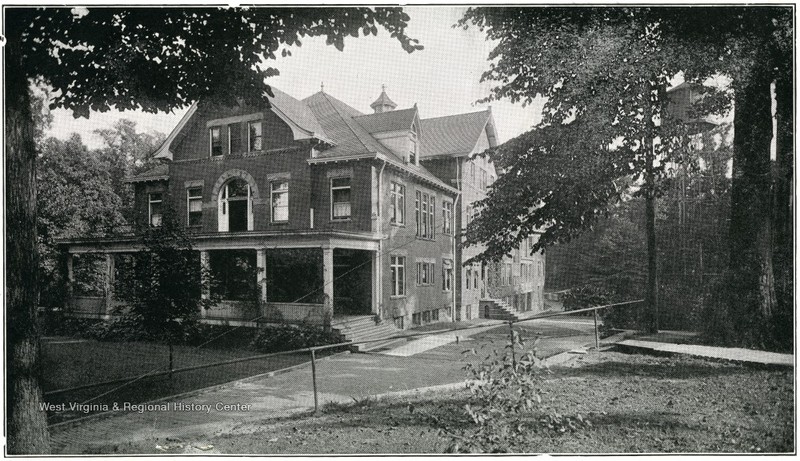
{"x": 366, "y": 328}
{"x": 499, "y": 310}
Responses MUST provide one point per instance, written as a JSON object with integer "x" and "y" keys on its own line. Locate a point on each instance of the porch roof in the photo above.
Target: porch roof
{"x": 310, "y": 238}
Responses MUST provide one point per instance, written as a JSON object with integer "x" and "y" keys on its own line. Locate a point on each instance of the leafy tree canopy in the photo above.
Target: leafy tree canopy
{"x": 604, "y": 73}
{"x": 156, "y": 59}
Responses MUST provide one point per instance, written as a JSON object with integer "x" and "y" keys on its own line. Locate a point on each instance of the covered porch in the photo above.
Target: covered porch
{"x": 255, "y": 278}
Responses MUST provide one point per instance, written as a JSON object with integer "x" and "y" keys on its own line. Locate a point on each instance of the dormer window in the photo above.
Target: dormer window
{"x": 254, "y": 136}
{"x": 412, "y": 151}
{"x": 215, "y": 140}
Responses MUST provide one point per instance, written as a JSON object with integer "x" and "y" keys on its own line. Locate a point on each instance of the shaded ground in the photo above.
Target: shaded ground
{"x": 71, "y": 363}
{"x": 636, "y": 404}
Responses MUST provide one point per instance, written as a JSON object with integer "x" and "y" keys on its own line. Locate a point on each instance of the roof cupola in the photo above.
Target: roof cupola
{"x": 383, "y": 103}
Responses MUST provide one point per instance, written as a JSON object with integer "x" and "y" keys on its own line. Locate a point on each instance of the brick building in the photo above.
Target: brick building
{"x": 341, "y": 215}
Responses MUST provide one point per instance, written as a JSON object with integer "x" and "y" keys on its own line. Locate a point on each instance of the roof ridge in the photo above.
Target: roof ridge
{"x": 385, "y": 113}
{"x": 458, "y": 115}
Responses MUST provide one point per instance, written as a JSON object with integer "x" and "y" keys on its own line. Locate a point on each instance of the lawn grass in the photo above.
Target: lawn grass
{"x": 636, "y": 404}
{"x": 73, "y": 364}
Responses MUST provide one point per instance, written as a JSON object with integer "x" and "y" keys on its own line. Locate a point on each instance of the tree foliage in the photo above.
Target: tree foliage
{"x": 76, "y": 199}
{"x": 599, "y": 67}
{"x": 604, "y": 75}
{"x": 157, "y": 59}
{"x": 127, "y": 152}
{"x": 162, "y": 284}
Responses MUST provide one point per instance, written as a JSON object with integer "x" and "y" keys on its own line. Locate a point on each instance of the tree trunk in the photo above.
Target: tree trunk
{"x": 752, "y": 288}
{"x": 783, "y": 256}
{"x": 26, "y": 421}
{"x": 651, "y": 297}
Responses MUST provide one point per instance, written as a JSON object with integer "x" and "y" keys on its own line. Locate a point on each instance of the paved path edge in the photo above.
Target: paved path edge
{"x": 74, "y": 422}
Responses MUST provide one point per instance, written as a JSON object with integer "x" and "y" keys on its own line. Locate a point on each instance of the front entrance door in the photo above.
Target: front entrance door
{"x": 237, "y": 215}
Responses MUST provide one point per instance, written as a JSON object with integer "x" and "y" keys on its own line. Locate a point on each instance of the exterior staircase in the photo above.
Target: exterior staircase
{"x": 366, "y": 328}
{"x": 497, "y": 310}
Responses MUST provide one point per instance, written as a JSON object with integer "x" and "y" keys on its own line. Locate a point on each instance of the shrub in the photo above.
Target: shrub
{"x": 506, "y": 404}
{"x": 218, "y": 336}
{"x": 54, "y": 323}
{"x": 285, "y": 337}
{"x": 125, "y": 328}
{"x": 587, "y": 296}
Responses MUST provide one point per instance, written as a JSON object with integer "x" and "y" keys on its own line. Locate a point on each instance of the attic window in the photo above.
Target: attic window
{"x": 215, "y": 140}
{"x": 412, "y": 151}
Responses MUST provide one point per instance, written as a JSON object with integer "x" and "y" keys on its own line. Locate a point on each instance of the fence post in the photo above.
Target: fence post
{"x": 314, "y": 379}
{"x": 596, "y": 332}
{"x": 513, "y": 344}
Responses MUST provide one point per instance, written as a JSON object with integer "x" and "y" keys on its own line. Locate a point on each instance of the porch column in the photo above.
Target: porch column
{"x": 109, "y": 288}
{"x": 69, "y": 302}
{"x": 261, "y": 264}
{"x": 205, "y": 287}
{"x": 377, "y": 286}
{"x": 327, "y": 278}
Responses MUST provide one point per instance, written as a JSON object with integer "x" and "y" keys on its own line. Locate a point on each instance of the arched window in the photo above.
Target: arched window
{"x": 235, "y": 204}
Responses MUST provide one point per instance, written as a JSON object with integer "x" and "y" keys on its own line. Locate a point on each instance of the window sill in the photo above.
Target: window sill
{"x": 397, "y": 296}
{"x": 341, "y": 219}
{"x": 279, "y": 223}
{"x": 395, "y": 224}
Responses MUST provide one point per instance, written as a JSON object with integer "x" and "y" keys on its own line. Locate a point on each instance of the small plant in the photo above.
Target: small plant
{"x": 505, "y": 404}
{"x": 504, "y": 392}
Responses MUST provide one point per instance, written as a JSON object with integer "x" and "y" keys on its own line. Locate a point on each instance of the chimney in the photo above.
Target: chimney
{"x": 383, "y": 103}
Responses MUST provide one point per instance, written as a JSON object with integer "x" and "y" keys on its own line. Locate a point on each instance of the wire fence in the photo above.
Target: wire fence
{"x": 276, "y": 384}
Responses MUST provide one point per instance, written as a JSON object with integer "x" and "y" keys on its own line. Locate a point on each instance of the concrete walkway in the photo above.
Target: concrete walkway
{"x": 433, "y": 341}
{"x": 726, "y": 353}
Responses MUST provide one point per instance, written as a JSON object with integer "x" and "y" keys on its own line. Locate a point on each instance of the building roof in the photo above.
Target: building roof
{"x": 352, "y": 139}
{"x": 349, "y": 132}
{"x": 297, "y": 112}
{"x": 336, "y": 118}
{"x": 452, "y": 135}
{"x": 394, "y": 120}
{"x": 157, "y": 173}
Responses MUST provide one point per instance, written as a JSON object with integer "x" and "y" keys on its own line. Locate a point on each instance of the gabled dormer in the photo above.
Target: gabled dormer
{"x": 217, "y": 131}
{"x": 397, "y": 130}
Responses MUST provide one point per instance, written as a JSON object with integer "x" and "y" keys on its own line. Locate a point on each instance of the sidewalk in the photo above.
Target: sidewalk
{"x": 726, "y": 353}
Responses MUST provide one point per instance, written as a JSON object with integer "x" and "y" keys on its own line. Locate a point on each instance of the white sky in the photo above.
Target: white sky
{"x": 443, "y": 79}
